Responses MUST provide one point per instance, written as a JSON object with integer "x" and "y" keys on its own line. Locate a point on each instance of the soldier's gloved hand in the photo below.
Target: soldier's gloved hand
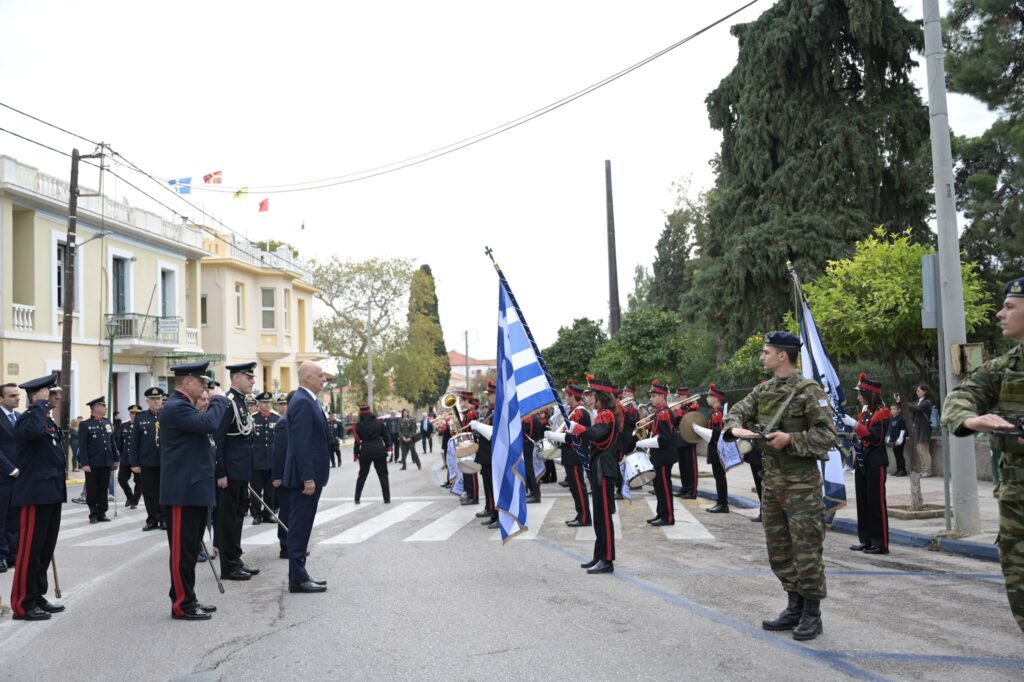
{"x": 555, "y": 436}
{"x": 849, "y": 421}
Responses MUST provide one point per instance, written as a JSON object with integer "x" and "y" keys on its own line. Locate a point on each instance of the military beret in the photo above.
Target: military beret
{"x": 782, "y": 340}
{"x": 49, "y": 381}
{"x": 134, "y": 408}
{"x": 102, "y": 400}
{"x": 1014, "y": 288}
{"x": 241, "y": 368}
{"x": 264, "y": 397}
{"x": 191, "y": 369}
{"x": 154, "y": 392}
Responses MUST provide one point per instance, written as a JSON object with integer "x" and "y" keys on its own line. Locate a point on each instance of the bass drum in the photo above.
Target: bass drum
{"x": 469, "y": 465}
{"x": 639, "y": 470}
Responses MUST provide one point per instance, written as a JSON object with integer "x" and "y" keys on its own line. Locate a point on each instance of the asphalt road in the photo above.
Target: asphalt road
{"x": 419, "y": 591}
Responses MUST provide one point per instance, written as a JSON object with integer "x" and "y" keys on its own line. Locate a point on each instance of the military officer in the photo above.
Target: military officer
{"x": 186, "y": 485}
{"x": 144, "y": 456}
{"x": 123, "y": 442}
{"x": 990, "y": 400}
{"x": 263, "y": 425}
{"x": 97, "y": 455}
{"x": 39, "y": 492}
{"x": 793, "y": 414}
{"x": 234, "y": 471}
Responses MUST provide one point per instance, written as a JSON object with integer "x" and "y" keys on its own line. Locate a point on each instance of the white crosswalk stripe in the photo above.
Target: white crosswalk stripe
{"x": 269, "y": 537}
{"x": 98, "y": 527}
{"x": 446, "y": 526}
{"x": 535, "y": 515}
{"x": 367, "y": 529}
{"x": 687, "y": 526}
{"x": 124, "y": 537}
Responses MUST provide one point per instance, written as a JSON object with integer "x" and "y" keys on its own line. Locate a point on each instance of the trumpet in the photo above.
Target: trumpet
{"x": 645, "y": 423}
{"x": 626, "y": 402}
{"x": 437, "y": 421}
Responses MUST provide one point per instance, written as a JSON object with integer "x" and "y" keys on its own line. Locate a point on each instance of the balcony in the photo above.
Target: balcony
{"x": 145, "y": 332}
{"x": 24, "y": 317}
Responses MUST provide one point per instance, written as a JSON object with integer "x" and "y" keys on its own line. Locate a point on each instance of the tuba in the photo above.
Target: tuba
{"x": 465, "y": 445}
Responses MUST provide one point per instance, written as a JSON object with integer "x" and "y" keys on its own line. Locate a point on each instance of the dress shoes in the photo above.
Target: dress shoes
{"x": 466, "y": 503}
{"x": 103, "y": 519}
{"x": 576, "y": 523}
{"x": 685, "y": 492}
{"x": 192, "y": 614}
{"x": 257, "y": 520}
{"x": 49, "y": 607}
{"x": 662, "y": 522}
{"x": 237, "y": 574}
{"x": 3, "y": 565}
{"x": 34, "y": 613}
{"x": 162, "y": 525}
{"x": 756, "y": 519}
{"x": 719, "y": 509}
{"x": 653, "y": 520}
{"x": 589, "y": 564}
{"x": 532, "y": 500}
{"x": 482, "y": 514}
{"x": 602, "y": 566}
{"x": 859, "y": 547}
{"x": 149, "y": 526}
{"x": 209, "y": 608}
{"x": 618, "y": 496}
{"x": 251, "y": 571}
{"x": 564, "y": 484}
{"x": 318, "y": 582}
{"x": 875, "y": 550}
{"x": 309, "y": 587}
{"x": 494, "y": 525}
{"x": 93, "y": 519}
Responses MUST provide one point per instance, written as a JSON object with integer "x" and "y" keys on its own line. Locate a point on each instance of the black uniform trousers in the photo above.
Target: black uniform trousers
{"x": 550, "y": 472}
{"x": 301, "y": 512}
{"x": 901, "y": 464}
{"x": 471, "y": 484}
{"x": 872, "y": 511}
{"x": 428, "y": 443}
{"x": 124, "y": 477}
{"x": 381, "y": 465}
{"x": 663, "y": 493}
{"x": 532, "y": 487}
{"x": 335, "y": 453}
{"x": 232, "y": 502}
{"x": 485, "y": 473}
{"x": 262, "y": 486}
{"x": 757, "y": 469}
{"x": 9, "y": 523}
{"x": 721, "y": 483}
{"x": 185, "y": 527}
{"x": 604, "y": 525}
{"x": 283, "y": 497}
{"x": 151, "y": 495}
{"x": 688, "y": 470}
{"x": 97, "y": 482}
{"x": 578, "y": 488}
{"x": 38, "y": 528}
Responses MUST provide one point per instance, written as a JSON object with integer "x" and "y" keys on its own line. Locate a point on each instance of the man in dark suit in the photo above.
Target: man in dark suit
{"x": 40, "y": 492}
{"x": 234, "y": 471}
{"x": 277, "y": 470}
{"x": 306, "y": 469}
{"x": 186, "y": 482}
{"x": 10, "y": 396}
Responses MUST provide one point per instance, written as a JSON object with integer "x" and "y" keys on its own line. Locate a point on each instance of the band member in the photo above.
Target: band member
{"x": 263, "y": 424}
{"x": 444, "y": 429}
{"x": 870, "y": 467}
{"x": 39, "y": 493}
{"x": 338, "y": 433}
{"x": 550, "y": 474}
{"x": 579, "y": 414}
{"x": 470, "y": 482}
{"x": 663, "y": 448}
{"x": 233, "y": 441}
{"x": 483, "y": 458}
{"x": 715, "y": 401}
{"x": 125, "y": 475}
{"x": 533, "y": 430}
{"x": 277, "y": 470}
{"x": 370, "y": 449}
{"x": 144, "y": 457}
{"x": 800, "y": 432}
{"x": 687, "y": 452}
{"x": 605, "y": 476}
{"x": 187, "y": 483}
{"x": 97, "y": 455}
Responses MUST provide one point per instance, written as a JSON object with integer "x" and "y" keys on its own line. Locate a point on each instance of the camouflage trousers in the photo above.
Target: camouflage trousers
{"x": 793, "y": 516}
{"x": 1011, "y": 544}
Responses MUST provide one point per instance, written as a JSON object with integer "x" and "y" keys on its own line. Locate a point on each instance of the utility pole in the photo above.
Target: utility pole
{"x": 369, "y": 356}
{"x": 614, "y": 314}
{"x": 952, "y": 330}
{"x": 465, "y": 338}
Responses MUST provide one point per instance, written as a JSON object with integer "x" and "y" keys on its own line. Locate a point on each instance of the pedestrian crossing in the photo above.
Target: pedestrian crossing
{"x": 342, "y": 522}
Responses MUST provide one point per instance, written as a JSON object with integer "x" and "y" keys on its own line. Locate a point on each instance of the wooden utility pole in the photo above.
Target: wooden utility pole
{"x": 614, "y": 313}
{"x": 69, "y": 302}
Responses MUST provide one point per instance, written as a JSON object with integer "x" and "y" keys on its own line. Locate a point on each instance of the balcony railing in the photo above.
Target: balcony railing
{"x": 24, "y": 317}
{"x": 146, "y": 328}
{"x": 191, "y": 337}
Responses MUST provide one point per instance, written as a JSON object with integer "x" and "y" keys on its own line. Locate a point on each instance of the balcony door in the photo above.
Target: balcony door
{"x": 120, "y": 286}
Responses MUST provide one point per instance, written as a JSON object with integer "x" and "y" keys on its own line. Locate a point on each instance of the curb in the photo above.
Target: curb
{"x": 974, "y": 550}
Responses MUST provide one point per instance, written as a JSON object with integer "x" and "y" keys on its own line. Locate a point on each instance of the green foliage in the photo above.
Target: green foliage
{"x": 986, "y": 51}
{"x": 824, "y": 134}
{"x": 571, "y": 353}
{"x": 648, "y": 346}
{"x": 673, "y": 267}
{"x": 274, "y": 244}
{"x": 640, "y": 296}
{"x": 743, "y": 369}
{"x": 422, "y": 369}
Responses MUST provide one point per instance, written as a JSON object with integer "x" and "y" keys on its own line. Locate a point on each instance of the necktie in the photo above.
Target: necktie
{"x": 12, "y": 418}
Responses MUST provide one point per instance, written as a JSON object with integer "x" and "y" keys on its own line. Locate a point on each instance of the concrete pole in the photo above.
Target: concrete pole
{"x": 614, "y": 313}
{"x": 952, "y": 331}
{"x": 369, "y": 356}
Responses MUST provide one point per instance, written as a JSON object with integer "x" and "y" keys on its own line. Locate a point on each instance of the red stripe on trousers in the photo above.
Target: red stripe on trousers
{"x": 609, "y": 536}
{"x": 885, "y": 512}
{"x": 179, "y": 584}
{"x": 579, "y": 493}
{"x": 693, "y": 461}
{"x": 665, "y": 473}
{"x": 28, "y": 526}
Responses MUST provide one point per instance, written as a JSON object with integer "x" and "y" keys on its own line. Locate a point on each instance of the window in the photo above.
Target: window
{"x": 62, "y": 262}
{"x": 202, "y": 310}
{"x": 120, "y": 286}
{"x": 267, "y": 311}
{"x": 239, "y": 304}
{"x": 168, "y": 293}
{"x": 286, "y": 310}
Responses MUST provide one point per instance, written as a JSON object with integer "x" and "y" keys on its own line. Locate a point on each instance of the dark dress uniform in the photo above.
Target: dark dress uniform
{"x": 263, "y": 430}
{"x": 96, "y": 450}
{"x": 687, "y": 451}
{"x": 721, "y": 483}
{"x": 533, "y": 430}
{"x": 869, "y": 475}
{"x": 663, "y": 457}
{"x": 483, "y": 458}
{"x": 8, "y": 513}
{"x": 470, "y": 482}
{"x": 605, "y": 477}
{"x": 280, "y": 453}
{"x": 187, "y": 487}
{"x": 233, "y": 440}
{"x": 371, "y": 436}
{"x": 125, "y": 475}
{"x": 39, "y": 492}
{"x": 145, "y": 454}
{"x": 574, "y": 470}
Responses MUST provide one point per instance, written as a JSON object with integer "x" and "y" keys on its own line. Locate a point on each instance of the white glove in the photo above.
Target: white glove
{"x": 555, "y": 436}
{"x": 849, "y": 421}
{"x": 481, "y": 428}
{"x": 899, "y": 440}
{"x": 572, "y": 426}
{"x": 648, "y": 443}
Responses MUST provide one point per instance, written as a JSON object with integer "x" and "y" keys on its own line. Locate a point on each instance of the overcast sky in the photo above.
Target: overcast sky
{"x": 274, "y": 93}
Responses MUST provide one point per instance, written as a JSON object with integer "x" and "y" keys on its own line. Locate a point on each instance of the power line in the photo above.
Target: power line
{"x": 52, "y": 125}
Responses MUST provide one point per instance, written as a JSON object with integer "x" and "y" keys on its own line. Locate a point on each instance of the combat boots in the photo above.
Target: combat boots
{"x": 810, "y": 624}
{"x": 789, "y": 618}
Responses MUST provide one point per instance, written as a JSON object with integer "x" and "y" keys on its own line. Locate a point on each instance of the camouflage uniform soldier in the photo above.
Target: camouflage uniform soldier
{"x": 985, "y": 401}
{"x": 794, "y": 414}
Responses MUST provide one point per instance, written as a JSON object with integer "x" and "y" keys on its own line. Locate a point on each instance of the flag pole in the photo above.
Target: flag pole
{"x": 540, "y": 359}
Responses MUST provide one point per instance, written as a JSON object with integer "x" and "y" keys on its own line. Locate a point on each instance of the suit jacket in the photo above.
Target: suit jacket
{"x": 309, "y": 443}
{"x": 40, "y": 457}
{"x": 186, "y": 451}
{"x": 8, "y": 451}
{"x": 280, "y": 449}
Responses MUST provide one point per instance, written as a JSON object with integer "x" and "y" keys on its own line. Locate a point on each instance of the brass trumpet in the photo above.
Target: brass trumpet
{"x": 645, "y": 423}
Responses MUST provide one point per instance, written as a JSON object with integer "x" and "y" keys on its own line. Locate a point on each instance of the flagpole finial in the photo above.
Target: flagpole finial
{"x": 490, "y": 254}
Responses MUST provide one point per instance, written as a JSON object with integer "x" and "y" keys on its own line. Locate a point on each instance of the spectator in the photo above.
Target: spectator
{"x": 407, "y": 433}
{"x": 897, "y": 438}
{"x": 426, "y": 433}
{"x": 73, "y": 432}
{"x": 921, "y": 416}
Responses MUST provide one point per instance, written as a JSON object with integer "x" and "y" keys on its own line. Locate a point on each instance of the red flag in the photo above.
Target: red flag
{"x": 213, "y": 178}
{"x": 264, "y": 205}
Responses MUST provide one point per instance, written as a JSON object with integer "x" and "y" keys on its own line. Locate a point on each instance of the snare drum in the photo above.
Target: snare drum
{"x": 465, "y": 446}
{"x": 639, "y": 470}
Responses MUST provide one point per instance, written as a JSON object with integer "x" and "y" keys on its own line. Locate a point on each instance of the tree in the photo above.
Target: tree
{"x": 347, "y": 288}
{"x": 823, "y": 135}
{"x": 648, "y": 346}
{"x": 642, "y": 282}
{"x": 743, "y": 369}
{"x": 868, "y": 306}
{"x": 422, "y": 369}
{"x": 570, "y": 355}
{"x": 273, "y": 245}
{"x": 673, "y": 267}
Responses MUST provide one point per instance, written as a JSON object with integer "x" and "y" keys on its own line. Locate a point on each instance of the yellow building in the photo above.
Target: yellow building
{"x": 257, "y": 305}
{"x": 132, "y": 267}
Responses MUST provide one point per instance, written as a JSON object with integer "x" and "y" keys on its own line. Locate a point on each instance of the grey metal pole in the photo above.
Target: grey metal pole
{"x": 369, "y": 356}
{"x": 951, "y": 288}
{"x": 614, "y": 312}
{"x": 465, "y": 338}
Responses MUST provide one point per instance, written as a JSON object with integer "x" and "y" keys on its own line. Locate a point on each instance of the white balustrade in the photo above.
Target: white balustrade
{"x": 24, "y": 317}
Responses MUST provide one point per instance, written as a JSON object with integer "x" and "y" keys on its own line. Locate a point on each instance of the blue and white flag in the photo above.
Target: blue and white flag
{"x": 454, "y": 472}
{"x": 817, "y": 366}
{"x": 521, "y": 389}
{"x": 181, "y": 185}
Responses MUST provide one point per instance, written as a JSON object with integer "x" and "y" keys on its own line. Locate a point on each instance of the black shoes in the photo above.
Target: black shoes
{"x": 589, "y": 564}
{"x": 3, "y": 565}
{"x": 103, "y": 519}
{"x": 48, "y": 607}
{"x": 162, "y": 525}
{"x": 564, "y": 483}
{"x": 875, "y": 550}
{"x": 149, "y": 526}
{"x": 532, "y": 500}
{"x": 193, "y": 614}
{"x": 685, "y": 492}
{"x": 257, "y": 520}
{"x": 494, "y": 525}
{"x": 618, "y": 495}
{"x": 34, "y": 613}
{"x": 576, "y": 523}
{"x": 719, "y": 509}
{"x": 482, "y": 514}
{"x": 859, "y": 547}
{"x": 237, "y": 574}
{"x": 209, "y": 608}
{"x": 756, "y": 519}
{"x": 654, "y": 519}
{"x": 602, "y": 566}
{"x": 309, "y": 587}
{"x": 662, "y": 522}
{"x": 93, "y": 519}
{"x": 465, "y": 503}
{"x": 250, "y": 571}
{"x": 790, "y": 617}
{"x": 810, "y": 623}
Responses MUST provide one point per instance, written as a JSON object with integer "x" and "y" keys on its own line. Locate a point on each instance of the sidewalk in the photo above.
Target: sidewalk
{"x": 913, "y": 532}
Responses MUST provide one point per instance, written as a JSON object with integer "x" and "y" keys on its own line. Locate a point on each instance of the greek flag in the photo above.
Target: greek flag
{"x": 817, "y": 366}
{"x": 521, "y": 389}
{"x": 454, "y": 472}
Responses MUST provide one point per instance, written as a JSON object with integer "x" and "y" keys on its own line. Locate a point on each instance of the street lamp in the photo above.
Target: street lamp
{"x": 111, "y": 333}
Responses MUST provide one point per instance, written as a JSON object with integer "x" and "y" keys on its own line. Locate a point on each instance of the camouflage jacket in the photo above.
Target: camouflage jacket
{"x": 807, "y": 419}
{"x": 978, "y": 394}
